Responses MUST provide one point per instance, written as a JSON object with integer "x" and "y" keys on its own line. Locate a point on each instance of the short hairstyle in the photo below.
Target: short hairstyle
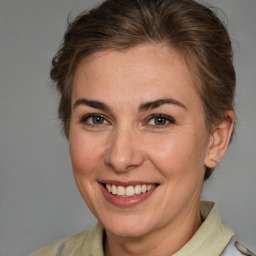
{"x": 190, "y": 28}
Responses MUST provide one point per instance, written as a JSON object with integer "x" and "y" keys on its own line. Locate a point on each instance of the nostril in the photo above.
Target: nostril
{"x": 122, "y": 164}
{"x": 123, "y": 152}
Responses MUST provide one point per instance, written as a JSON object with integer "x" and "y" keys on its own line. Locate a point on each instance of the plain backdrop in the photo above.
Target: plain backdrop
{"x": 39, "y": 201}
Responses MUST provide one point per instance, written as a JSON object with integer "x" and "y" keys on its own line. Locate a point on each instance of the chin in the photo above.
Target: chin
{"x": 128, "y": 233}
{"x": 129, "y": 227}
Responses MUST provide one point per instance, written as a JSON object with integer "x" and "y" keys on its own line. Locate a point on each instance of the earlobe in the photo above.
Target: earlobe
{"x": 219, "y": 140}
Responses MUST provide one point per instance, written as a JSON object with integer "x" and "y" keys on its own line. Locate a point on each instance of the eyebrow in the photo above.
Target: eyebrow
{"x": 143, "y": 107}
{"x": 91, "y": 103}
{"x": 157, "y": 103}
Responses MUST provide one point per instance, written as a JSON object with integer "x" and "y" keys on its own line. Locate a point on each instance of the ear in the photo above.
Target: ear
{"x": 219, "y": 140}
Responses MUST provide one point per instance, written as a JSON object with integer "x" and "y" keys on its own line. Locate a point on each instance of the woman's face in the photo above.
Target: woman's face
{"x": 137, "y": 129}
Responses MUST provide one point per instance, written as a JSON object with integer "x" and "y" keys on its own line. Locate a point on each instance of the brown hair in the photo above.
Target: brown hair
{"x": 190, "y": 28}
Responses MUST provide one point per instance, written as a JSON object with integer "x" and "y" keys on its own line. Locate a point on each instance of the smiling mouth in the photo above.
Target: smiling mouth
{"x": 128, "y": 191}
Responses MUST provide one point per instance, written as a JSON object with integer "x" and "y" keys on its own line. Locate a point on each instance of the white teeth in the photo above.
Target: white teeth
{"x": 128, "y": 191}
{"x": 120, "y": 191}
{"x": 149, "y": 187}
{"x": 137, "y": 189}
{"x": 109, "y": 188}
{"x": 114, "y": 190}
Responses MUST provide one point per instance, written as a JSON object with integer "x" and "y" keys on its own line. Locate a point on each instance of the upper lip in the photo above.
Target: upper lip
{"x": 126, "y": 183}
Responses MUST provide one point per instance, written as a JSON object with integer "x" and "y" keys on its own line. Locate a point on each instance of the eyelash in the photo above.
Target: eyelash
{"x": 170, "y": 120}
{"x": 84, "y": 120}
{"x": 167, "y": 118}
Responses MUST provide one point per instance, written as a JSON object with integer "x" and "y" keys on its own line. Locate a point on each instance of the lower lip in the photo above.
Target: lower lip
{"x": 125, "y": 201}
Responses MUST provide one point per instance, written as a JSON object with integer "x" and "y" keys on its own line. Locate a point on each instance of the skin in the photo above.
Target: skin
{"x": 129, "y": 145}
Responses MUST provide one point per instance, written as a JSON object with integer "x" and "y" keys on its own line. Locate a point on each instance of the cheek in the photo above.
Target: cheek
{"x": 177, "y": 154}
{"x": 84, "y": 153}
{"x": 84, "y": 157}
{"x": 169, "y": 158}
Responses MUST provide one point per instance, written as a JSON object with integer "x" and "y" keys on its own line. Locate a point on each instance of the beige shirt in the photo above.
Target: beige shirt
{"x": 210, "y": 239}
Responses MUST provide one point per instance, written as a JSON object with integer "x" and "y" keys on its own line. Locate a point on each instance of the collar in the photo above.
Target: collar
{"x": 210, "y": 239}
{"x": 212, "y": 236}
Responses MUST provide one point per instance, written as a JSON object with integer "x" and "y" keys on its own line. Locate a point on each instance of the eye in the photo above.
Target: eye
{"x": 94, "y": 119}
{"x": 160, "y": 120}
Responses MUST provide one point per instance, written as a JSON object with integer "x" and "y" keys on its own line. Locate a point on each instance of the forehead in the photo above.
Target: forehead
{"x": 146, "y": 68}
{"x": 140, "y": 57}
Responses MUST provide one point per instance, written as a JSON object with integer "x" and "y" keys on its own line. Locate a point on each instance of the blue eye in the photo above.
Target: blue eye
{"x": 94, "y": 119}
{"x": 160, "y": 120}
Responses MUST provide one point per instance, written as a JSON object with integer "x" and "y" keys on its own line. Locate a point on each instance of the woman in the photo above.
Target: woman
{"x": 147, "y": 89}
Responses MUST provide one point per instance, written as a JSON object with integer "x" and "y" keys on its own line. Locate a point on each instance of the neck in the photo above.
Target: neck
{"x": 164, "y": 241}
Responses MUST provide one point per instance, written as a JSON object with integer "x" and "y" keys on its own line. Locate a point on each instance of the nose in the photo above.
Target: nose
{"x": 124, "y": 151}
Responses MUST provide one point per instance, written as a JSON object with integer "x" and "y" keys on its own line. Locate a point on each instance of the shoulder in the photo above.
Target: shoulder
{"x": 74, "y": 244}
{"x": 234, "y": 248}
{"x": 57, "y": 247}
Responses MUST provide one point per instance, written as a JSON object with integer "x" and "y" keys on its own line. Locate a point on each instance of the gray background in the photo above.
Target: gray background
{"x": 39, "y": 200}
